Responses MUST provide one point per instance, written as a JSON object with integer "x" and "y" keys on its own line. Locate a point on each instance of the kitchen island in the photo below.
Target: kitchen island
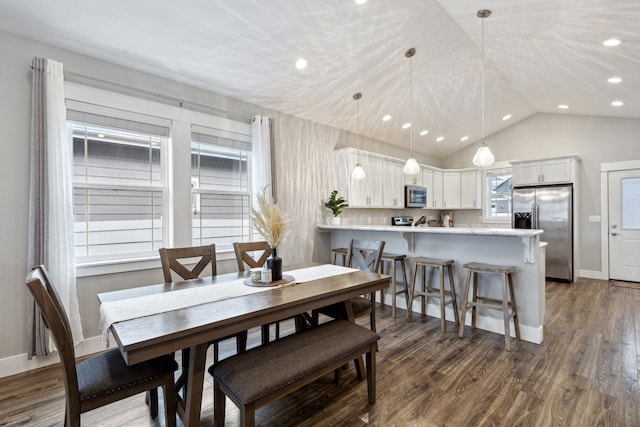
{"x": 503, "y": 246}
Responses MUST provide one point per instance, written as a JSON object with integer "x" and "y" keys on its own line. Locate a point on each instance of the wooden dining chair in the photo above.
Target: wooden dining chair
{"x": 176, "y": 260}
{"x": 364, "y": 255}
{"x": 103, "y": 378}
{"x": 254, "y": 255}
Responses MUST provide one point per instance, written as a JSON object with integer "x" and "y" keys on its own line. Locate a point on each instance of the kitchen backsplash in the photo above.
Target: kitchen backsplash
{"x": 461, "y": 218}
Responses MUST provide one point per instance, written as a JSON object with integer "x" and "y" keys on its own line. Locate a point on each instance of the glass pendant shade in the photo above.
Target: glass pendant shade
{"x": 358, "y": 173}
{"x": 483, "y": 158}
{"x": 411, "y": 167}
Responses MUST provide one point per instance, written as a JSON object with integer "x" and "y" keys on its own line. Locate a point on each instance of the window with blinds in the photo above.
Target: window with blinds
{"x": 118, "y": 195}
{"x": 220, "y": 187}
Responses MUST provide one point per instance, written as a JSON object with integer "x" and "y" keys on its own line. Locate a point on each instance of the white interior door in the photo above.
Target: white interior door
{"x": 624, "y": 225}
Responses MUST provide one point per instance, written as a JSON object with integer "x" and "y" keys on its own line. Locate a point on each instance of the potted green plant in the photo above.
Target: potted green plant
{"x": 335, "y": 204}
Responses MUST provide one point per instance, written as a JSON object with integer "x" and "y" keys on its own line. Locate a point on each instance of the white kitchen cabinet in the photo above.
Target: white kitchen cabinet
{"x": 392, "y": 184}
{"x": 368, "y": 191}
{"x": 558, "y": 170}
{"x": 470, "y": 194}
{"x": 364, "y": 193}
{"x": 451, "y": 190}
{"x": 432, "y": 181}
{"x": 413, "y": 179}
{"x": 438, "y": 199}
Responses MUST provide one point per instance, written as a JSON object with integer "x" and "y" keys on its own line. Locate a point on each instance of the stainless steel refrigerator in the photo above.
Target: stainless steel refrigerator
{"x": 549, "y": 208}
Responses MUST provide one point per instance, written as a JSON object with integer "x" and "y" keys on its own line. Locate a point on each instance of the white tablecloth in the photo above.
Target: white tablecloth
{"x": 132, "y": 308}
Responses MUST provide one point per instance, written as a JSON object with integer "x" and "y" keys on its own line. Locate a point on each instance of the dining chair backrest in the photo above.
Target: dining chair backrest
{"x": 47, "y": 298}
{"x": 365, "y": 255}
{"x": 244, "y": 251}
{"x": 174, "y": 259}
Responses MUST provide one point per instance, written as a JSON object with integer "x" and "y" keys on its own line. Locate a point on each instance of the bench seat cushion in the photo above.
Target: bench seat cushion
{"x": 255, "y": 374}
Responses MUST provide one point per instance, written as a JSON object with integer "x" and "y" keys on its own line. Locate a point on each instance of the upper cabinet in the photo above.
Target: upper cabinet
{"x": 470, "y": 189}
{"x": 392, "y": 184}
{"x": 559, "y": 170}
{"x": 413, "y": 179}
{"x": 383, "y": 186}
{"x": 432, "y": 181}
{"x": 451, "y": 189}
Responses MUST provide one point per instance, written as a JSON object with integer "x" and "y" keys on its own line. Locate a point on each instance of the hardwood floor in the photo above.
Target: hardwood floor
{"x": 585, "y": 373}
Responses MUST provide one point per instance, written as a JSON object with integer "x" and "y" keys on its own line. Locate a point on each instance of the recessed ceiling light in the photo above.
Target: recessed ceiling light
{"x": 424, "y": 132}
{"x": 386, "y": 118}
{"x": 406, "y": 126}
{"x": 612, "y": 42}
{"x": 101, "y": 135}
{"x": 301, "y": 64}
{"x": 563, "y": 106}
{"x": 507, "y": 117}
{"x": 361, "y": 1}
{"x": 617, "y": 103}
{"x": 614, "y": 80}
{"x": 440, "y": 138}
{"x": 464, "y": 138}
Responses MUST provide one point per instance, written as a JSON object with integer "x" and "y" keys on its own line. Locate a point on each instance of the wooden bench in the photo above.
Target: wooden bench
{"x": 263, "y": 374}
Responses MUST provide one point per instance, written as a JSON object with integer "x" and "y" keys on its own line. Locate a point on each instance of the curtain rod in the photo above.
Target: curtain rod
{"x": 129, "y": 90}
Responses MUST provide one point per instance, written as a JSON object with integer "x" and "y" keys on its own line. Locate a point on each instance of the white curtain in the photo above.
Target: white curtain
{"x": 262, "y": 166}
{"x": 51, "y": 240}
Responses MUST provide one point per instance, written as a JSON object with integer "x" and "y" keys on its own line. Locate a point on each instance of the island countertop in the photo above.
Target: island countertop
{"x": 482, "y": 231}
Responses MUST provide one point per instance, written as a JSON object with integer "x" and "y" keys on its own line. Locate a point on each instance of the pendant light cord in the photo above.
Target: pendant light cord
{"x": 482, "y": 88}
{"x": 411, "y": 102}
{"x": 357, "y": 97}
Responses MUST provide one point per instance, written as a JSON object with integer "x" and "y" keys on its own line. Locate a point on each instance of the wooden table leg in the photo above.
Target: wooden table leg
{"x": 189, "y": 408}
{"x": 359, "y": 364}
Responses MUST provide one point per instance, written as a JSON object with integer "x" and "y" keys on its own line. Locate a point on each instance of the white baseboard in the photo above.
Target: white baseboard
{"x": 17, "y": 364}
{"x": 491, "y": 324}
{"x": 592, "y": 274}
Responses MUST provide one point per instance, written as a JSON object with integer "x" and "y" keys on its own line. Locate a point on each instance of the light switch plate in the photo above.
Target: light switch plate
{"x": 594, "y": 218}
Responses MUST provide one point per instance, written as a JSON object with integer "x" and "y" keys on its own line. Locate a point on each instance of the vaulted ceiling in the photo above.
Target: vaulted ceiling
{"x": 538, "y": 54}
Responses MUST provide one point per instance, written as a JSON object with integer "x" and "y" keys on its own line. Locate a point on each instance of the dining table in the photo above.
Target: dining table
{"x": 154, "y": 320}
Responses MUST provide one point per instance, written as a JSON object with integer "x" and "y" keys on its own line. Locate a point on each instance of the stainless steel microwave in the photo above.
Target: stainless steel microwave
{"x": 415, "y": 196}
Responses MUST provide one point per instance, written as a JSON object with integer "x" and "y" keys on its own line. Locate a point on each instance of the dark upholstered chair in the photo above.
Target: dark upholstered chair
{"x": 366, "y": 256}
{"x": 104, "y": 378}
{"x": 173, "y": 259}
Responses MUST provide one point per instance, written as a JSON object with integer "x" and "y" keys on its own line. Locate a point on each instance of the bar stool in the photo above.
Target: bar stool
{"x": 430, "y": 291}
{"x": 336, "y": 252}
{"x": 394, "y": 259}
{"x": 475, "y": 268}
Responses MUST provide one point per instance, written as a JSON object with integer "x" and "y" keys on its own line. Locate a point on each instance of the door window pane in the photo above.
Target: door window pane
{"x": 631, "y": 203}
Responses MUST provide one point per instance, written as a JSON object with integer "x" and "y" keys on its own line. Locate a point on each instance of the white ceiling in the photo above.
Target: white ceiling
{"x": 539, "y": 53}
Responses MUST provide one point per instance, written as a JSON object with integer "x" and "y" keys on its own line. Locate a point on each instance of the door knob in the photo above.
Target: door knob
{"x": 614, "y": 234}
{"x": 614, "y": 226}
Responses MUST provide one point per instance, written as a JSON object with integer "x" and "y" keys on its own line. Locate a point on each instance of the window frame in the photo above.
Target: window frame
{"x": 502, "y": 168}
{"x": 177, "y": 161}
{"x": 197, "y": 190}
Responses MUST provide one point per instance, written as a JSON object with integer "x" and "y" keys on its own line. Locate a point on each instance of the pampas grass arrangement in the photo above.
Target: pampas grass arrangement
{"x": 269, "y": 221}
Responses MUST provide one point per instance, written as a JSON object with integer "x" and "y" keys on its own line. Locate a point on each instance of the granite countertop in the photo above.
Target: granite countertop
{"x": 508, "y": 232}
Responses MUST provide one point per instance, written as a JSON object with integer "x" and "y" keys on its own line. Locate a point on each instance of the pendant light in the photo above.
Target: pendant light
{"x": 484, "y": 156}
{"x": 411, "y": 167}
{"x": 358, "y": 173}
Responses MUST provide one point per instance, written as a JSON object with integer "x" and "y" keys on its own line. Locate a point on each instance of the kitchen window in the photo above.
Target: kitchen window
{"x": 497, "y": 199}
{"x": 118, "y": 183}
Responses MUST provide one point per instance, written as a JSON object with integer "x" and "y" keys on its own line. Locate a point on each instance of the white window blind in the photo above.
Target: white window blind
{"x": 220, "y": 181}
{"x": 118, "y": 182}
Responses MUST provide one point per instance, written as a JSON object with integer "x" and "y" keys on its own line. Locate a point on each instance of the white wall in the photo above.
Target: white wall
{"x": 595, "y": 139}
